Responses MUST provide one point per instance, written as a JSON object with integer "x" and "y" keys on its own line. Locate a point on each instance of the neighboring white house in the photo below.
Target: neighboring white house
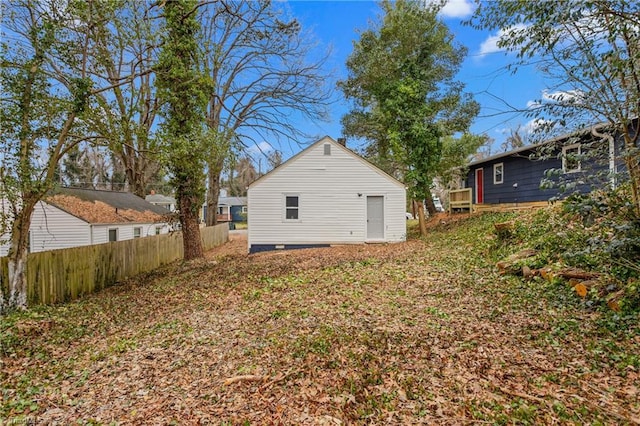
{"x": 322, "y": 196}
{"x": 165, "y": 201}
{"x": 75, "y": 217}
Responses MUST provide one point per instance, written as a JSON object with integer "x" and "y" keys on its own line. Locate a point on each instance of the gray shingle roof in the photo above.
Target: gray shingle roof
{"x": 232, "y": 201}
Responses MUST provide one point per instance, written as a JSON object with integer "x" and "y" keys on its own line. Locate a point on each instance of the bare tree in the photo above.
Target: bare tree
{"x": 122, "y": 56}
{"x": 516, "y": 139}
{"x": 245, "y": 174}
{"x": 78, "y": 170}
{"x": 264, "y": 78}
{"x": 274, "y": 159}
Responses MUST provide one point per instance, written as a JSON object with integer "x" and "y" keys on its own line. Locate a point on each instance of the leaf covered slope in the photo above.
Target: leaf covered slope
{"x": 419, "y": 332}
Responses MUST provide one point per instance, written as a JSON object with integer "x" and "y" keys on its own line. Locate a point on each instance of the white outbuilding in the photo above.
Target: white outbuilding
{"x": 325, "y": 195}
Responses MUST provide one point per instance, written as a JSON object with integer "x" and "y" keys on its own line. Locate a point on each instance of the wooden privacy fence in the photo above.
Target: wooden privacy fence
{"x": 62, "y": 275}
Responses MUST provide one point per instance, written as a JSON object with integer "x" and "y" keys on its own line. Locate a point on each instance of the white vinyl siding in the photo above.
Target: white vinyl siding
{"x": 332, "y": 193}
{"x": 126, "y": 231}
{"x": 52, "y": 228}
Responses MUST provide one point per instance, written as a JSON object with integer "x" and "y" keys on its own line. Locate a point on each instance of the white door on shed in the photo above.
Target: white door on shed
{"x": 375, "y": 217}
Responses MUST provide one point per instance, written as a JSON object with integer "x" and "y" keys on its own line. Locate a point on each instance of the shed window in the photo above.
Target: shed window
{"x": 137, "y": 232}
{"x": 292, "y": 207}
{"x": 113, "y": 234}
{"x": 498, "y": 173}
{"x": 571, "y": 158}
{"x": 327, "y": 149}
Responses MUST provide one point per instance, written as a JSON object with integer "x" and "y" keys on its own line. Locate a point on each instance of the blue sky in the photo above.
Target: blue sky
{"x": 337, "y": 24}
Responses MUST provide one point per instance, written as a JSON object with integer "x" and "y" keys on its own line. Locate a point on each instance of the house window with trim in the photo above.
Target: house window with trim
{"x": 498, "y": 173}
{"x": 327, "y": 149}
{"x": 158, "y": 230}
{"x": 571, "y": 158}
{"x": 292, "y": 207}
{"x": 244, "y": 209}
{"x": 113, "y": 234}
{"x": 137, "y": 232}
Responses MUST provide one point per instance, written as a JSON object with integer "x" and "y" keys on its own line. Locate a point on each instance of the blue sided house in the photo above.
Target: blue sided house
{"x": 579, "y": 161}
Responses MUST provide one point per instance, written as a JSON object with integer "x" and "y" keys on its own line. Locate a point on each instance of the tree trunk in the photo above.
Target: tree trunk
{"x": 421, "y": 219}
{"x": 18, "y": 279}
{"x": 135, "y": 179}
{"x": 139, "y": 186}
{"x": 3, "y": 301}
{"x": 17, "y": 255}
{"x": 431, "y": 207}
{"x": 213, "y": 193}
{"x": 190, "y": 227}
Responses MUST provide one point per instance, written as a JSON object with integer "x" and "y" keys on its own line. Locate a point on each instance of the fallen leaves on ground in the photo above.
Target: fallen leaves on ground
{"x": 420, "y": 332}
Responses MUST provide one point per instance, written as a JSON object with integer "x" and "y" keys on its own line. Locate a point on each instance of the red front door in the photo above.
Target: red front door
{"x": 479, "y": 186}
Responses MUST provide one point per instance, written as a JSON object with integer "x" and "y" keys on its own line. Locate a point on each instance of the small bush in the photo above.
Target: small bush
{"x": 613, "y": 228}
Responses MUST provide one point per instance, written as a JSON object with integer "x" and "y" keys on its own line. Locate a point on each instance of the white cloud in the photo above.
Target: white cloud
{"x": 490, "y": 45}
{"x": 262, "y": 147}
{"x": 565, "y": 97}
{"x": 536, "y": 125}
{"x": 557, "y": 97}
{"x": 457, "y": 9}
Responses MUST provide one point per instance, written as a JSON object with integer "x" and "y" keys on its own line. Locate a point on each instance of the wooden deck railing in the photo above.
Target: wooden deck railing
{"x": 460, "y": 199}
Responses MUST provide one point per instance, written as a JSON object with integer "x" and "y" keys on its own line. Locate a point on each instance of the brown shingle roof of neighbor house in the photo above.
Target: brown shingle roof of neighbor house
{"x": 96, "y": 206}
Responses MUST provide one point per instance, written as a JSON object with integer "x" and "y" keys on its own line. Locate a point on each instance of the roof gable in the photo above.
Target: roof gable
{"x": 324, "y": 140}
